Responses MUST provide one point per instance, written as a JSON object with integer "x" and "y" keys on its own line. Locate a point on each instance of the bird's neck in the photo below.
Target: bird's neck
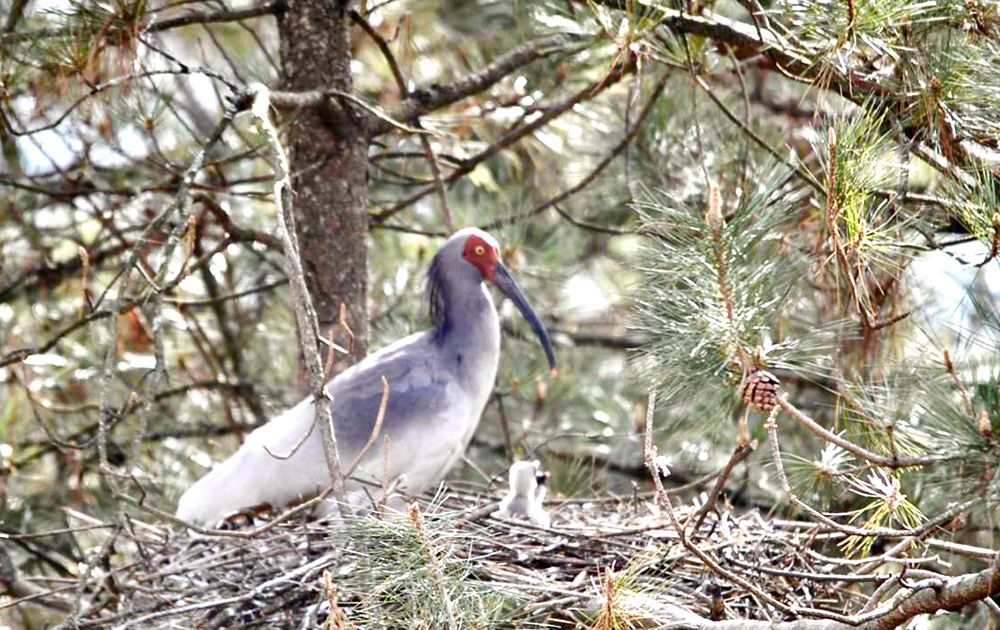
{"x": 467, "y": 338}
{"x": 469, "y": 319}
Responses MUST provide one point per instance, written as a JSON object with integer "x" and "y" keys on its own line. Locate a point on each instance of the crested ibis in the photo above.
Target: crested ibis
{"x": 439, "y": 383}
{"x": 526, "y": 495}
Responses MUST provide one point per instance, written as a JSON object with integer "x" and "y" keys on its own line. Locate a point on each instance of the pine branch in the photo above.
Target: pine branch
{"x": 430, "y": 98}
{"x": 196, "y": 17}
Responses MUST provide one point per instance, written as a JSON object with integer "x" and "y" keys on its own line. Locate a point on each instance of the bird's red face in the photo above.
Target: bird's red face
{"x": 484, "y": 256}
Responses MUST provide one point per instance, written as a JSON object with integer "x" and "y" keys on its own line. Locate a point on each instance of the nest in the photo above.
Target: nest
{"x": 609, "y": 563}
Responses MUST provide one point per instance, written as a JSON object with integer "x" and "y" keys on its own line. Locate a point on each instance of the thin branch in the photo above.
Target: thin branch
{"x": 21, "y": 354}
{"x": 426, "y": 100}
{"x": 509, "y": 138}
{"x": 695, "y": 117}
{"x": 189, "y": 303}
{"x": 585, "y": 225}
{"x": 304, "y": 313}
{"x": 295, "y": 447}
{"x": 114, "y": 83}
{"x": 24, "y": 591}
{"x": 750, "y": 133}
{"x": 651, "y": 461}
{"x": 597, "y": 170}
{"x": 376, "y": 430}
{"x": 181, "y": 205}
{"x": 383, "y": 46}
{"x": 404, "y": 92}
{"x": 438, "y": 183}
{"x": 874, "y": 458}
{"x": 112, "y": 34}
{"x": 237, "y": 233}
{"x": 742, "y": 451}
{"x": 321, "y": 98}
{"x": 34, "y": 278}
{"x": 16, "y": 13}
{"x": 771, "y": 426}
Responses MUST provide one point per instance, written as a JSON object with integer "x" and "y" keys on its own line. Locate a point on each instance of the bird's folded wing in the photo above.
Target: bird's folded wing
{"x": 283, "y": 461}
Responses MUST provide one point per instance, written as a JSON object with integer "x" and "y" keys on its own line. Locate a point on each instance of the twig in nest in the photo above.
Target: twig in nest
{"x": 742, "y": 452}
{"x": 24, "y": 591}
{"x": 337, "y": 619}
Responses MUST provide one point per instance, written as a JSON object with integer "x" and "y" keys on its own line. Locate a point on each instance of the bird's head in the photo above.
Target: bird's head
{"x": 482, "y": 252}
{"x": 523, "y": 478}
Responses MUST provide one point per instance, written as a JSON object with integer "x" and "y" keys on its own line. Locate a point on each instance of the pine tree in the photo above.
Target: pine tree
{"x": 709, "y": 201}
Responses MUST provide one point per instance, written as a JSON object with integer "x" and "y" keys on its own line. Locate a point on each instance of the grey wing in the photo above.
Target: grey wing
{"x": 283, "y": 461}
{"x": 420, "y": 395}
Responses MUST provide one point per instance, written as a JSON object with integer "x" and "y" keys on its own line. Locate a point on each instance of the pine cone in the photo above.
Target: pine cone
{"x": 761, "y": 391}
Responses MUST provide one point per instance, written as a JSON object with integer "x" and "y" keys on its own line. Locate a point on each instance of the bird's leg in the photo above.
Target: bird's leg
{"x": 246, "y": 516}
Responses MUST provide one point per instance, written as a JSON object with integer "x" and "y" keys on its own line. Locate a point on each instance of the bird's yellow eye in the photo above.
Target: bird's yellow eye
{"x": 479, "y": 250}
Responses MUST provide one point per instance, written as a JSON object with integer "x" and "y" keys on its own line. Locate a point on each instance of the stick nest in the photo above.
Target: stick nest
{"x": 610, "y": 563}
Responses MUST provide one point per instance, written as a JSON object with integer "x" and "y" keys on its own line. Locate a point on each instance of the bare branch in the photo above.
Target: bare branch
{"x": 879, "y": 460}
{"x": 429, "y": 99}
{"x": 304, "y": 313}
{"x": 104, "y": 87}
{"x": 195, "y": 17}
{"x": 509, "y": 138}
{"x": 597, "y": 170}
{"x": 376, "y": 430}
{"x": 403, "y": 91}
{"x": 24, "y": 591}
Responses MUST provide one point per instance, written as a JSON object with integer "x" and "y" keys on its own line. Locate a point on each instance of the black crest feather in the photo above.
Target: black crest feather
{"x": 436, "y": 302}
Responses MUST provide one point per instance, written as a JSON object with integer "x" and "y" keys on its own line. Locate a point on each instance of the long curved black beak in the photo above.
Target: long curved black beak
{"x": 503, "y": 281}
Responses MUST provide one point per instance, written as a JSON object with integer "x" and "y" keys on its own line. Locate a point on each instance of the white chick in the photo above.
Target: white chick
{"x": 527, "y": 491}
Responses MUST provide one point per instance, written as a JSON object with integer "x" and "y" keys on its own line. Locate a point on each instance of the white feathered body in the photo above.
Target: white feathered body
{"x": 439, "y": 383}
{"x": 526, "y": 496}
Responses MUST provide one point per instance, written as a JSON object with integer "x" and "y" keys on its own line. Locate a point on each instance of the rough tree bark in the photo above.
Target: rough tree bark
{"x": 328, "y": 151}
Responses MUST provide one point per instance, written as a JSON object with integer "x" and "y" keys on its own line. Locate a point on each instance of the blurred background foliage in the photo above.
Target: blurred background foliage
{"x": 858, "y": 165}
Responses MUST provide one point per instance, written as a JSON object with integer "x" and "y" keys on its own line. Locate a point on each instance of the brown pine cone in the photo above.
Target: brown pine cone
{"x": 761, "y": 391}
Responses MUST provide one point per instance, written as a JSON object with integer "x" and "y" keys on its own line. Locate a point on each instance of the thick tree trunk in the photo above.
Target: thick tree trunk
{"x": 329, "y": 165}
